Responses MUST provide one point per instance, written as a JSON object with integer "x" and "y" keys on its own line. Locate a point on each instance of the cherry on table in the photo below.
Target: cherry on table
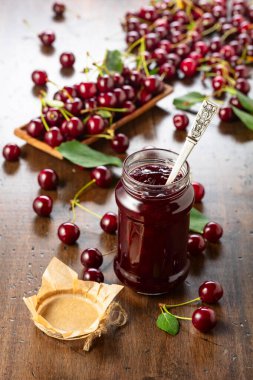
{"x": 196, "y": 244}
{"x": 58, "y": 8}
{"x": 213, "y": 232}
{"x": 67, "y": 59}
{"x": 226, "y": 114}
{"x": 53, "y": 137}
{"x": 210, "y": 291}
{"x": 43, "y": 205}
{"x": 204, "y": 319}
{"x": 93, "y": 274}
{"x": 35, "y": 128}
{"x": 11, "y": 152}
{"x": 189, "y": 67}
{"x": 102, "y": 175}
{"x": 242, "y": 85}
{"x": 91, "y": 258}
{"x": 120, "y": 143}
{"x": 47, "y": 38}
{"x": 199, "y": 191}
{"x": 218, "y": 82}
{"x": 109, "y": 222}
{"x": 181, "y": 121}
{"x": 68, "y": 233}
{"x": 234, "y": 101}
{"x": 48, "y": 179}
{"x": 39, "y": 77}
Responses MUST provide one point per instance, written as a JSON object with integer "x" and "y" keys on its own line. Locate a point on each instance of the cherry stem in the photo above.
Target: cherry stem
{"x": 176, "y": 316}
{"x": 102, "y": 135}
{"x": 82, "y": 190}
{"x": 143, "y": 60}
{"x": 181, "y": 304}
{"x": 55, "y": 84}
{"x": 64, "y": 114}
{"x": 213, "y": 28}
{"x": 44, "y": 122}
{"x": 104, "y": 109}
{"x": 87, "y": 210}
{"x": 228, "y": 33}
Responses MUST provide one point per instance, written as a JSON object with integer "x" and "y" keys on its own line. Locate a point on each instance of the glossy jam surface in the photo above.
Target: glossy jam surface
{"x": 153, "y": 232}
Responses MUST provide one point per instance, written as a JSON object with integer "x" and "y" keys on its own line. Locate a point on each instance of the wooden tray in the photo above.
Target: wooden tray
{"x": 21, "y": 131}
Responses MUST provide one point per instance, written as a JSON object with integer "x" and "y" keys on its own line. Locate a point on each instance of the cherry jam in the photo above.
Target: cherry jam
{"x": 153, "y": 222}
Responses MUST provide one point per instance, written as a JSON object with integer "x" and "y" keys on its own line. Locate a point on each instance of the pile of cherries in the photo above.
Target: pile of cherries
{"x": 177, "y": 45}
{"x": 212, "y": 231}
{"x": 69, "y": 232}
{"x": 81, "y": 112}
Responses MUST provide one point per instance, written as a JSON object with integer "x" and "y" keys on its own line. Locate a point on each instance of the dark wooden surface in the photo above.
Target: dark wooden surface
{"x": 222, "y": 162}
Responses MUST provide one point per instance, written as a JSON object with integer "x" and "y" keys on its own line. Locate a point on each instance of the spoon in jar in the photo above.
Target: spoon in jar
{"x": 203, "y": 118}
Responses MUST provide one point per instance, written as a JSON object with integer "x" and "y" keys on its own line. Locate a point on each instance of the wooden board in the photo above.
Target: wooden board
{"x": 21, "y": 132}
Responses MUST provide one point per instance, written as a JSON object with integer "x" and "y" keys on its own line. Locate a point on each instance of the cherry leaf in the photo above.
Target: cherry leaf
{"x": 197, "y": 221}
{"x": 105, "y": 114}
{"x": 188, "y": 100}
{"x": 245, "y": 101}
{"x": 168, "y": 323}
{"x": 245, "y": 117}
{"x": 113, "y": 61}
{"x": 82, "y": 155}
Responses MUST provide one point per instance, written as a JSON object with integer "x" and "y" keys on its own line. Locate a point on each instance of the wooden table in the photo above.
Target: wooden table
{"x": 222, "y": 162}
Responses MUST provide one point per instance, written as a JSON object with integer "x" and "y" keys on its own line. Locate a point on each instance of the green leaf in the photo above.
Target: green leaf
{"x": 168, "y": 323}
{"x": 197, "y": 221}
{"x": 104, "y": 114}
{"x": 83, "y": 155}
{"x": 245, "y": 117}
{"x": 245, "y": 101}
{"x": 113, "y": 61}
{"x": 54, "y": 103}
{"x": 188, "y": 100}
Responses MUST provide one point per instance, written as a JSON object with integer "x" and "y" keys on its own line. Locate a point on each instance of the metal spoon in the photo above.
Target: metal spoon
{"x": 207, "y": 111}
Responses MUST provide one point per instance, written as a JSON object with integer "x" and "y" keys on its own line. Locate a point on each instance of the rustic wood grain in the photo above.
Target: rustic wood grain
{"x": 222, "y": 162}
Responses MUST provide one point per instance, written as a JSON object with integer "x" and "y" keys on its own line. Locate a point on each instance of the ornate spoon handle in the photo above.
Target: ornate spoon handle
{"x": 207, "y": 111}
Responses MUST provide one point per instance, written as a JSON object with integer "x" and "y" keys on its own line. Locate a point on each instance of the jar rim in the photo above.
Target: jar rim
{"x": 179, "y": 182}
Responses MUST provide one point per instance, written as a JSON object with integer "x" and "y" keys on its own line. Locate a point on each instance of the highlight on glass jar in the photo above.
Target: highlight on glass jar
{"x": 153, "y": 222}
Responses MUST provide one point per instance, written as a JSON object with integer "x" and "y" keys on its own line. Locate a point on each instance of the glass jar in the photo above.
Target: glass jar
{"x": 153, "y": 226}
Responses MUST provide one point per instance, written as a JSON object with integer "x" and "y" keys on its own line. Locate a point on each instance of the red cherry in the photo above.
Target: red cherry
{"x": 75, "y": 127}
{"x": 65, "y": 93}
{"x": 47, "y": 38}
{"x": 213, "y": 232}
{"x": 35, "y": 128}
{"x": 120, "y": 143}
{"x": 109, "y": 222}
{"x": 102, "y": 175}
{"x": 234, "y": 101}
{"x": 210, "y": 292}
{"x": 118, "y": 80}
{"x": 53, "y": 137}
{"x": 180, "y": 121}
{"x": 168, "y": 70}
{"x": 54, "y": 117}
{"x": 48, "y": 179}
{"x": 129, "y": 106}
{"x": 199, "y": 191}
{"x": 91, "y": 258}
{"x": 39, "y": 77}
{"x": 151, "y": 83}
{"x": 165, "y": 45}
{"x": 43, "y": 205}
{"x": 189, "y": 67}
{"x": 86, "y": 90}
{"x": 90, "y": 104}
{"x": 11, "y": 152}
{"x": 74, "y": 106}
{"x": 148, "y": 12}
{"x": 204, "y": 319}
{"x": 59, "y": 8}
{"x": 105, "y": 83}
{"x": 129, "y": 91}
{"x": 226, "y": 114}
{"x": 120, "y": 96}
{"x": 68, "y": 233}
{"x": 144, "y": 96}
{"x": 227, "y": 51}
{"x": 132, "y": 36}
{"x": 107, "y": 99}
{"x": 201, "y": 47}
{"x": 93, "y": 274}
{"x": 67, "y": 59}
{"x": 159, "y": 55}
{"x": 196, "y": 244}
{"x": 218, "y": 83}
{"x": 242, "y": 85}
{"x": 95, "y": 125}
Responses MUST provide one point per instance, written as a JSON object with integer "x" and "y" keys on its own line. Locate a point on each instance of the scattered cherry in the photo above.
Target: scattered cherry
{"x": 67, "y": 59}
{"x": 120, "y": 143}
{"x": 109, "y": 222}
{"x": 196, "y": 244}
{"x": 226, "y": 114}
{"x": 93, "y": 274}
{"x": 47, "y": 38}
{"x": 181, "y": 121}
{"x": 91, "y": 258}
{"x": 48, "y": 179}
{"x": 102, "y": 175}
{"x": 11, "y": 152}
{"x": 213, "y": 232}
{"x": 59, "y": 8}
{"x": 204, "y": 319}
{"x": 39, "y": 77}
{"x": 43, "y": 205}
{"x": 210, "y": 292}
{"x": 199, "y": 191}
{"x": 68, "y": 233}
